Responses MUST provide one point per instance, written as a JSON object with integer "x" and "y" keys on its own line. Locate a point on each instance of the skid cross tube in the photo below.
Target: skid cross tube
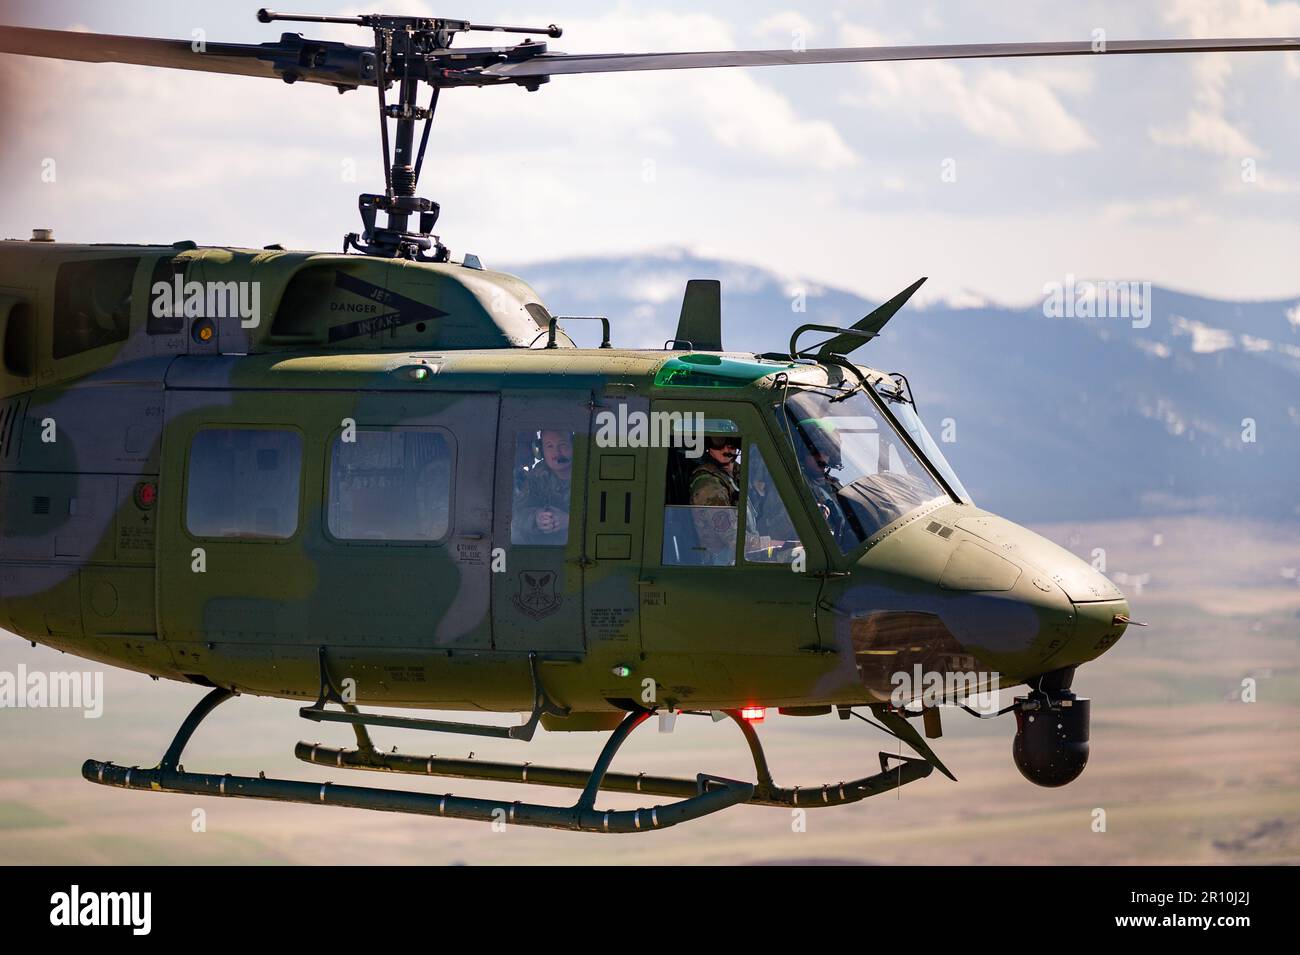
{"x": 542, "y": 705}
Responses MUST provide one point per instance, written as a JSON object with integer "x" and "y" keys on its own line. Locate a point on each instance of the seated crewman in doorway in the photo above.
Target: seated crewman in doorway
{"x": 541, "y": 509}
{"x": 716, "y": 491}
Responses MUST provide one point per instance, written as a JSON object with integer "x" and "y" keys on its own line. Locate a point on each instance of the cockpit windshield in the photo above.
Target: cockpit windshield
{"x": 901, "y": 407}
{"x": 861, "y": 473}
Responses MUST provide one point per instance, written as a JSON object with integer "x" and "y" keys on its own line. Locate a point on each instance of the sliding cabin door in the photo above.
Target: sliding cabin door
{"x": 538, "y": 537}
{"x": 293, "y": 521}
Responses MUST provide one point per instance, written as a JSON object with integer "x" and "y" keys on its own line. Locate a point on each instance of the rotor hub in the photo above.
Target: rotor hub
{"x": 409, "y": 51}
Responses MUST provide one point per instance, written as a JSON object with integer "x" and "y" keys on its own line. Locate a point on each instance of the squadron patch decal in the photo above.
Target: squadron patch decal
{"x": 537, "y": 596}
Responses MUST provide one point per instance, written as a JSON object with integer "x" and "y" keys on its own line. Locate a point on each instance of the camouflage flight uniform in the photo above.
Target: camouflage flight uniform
{"x": 714, "y": 488}
{"x": 542, "y": 488}
{"x": 825, "y": 491}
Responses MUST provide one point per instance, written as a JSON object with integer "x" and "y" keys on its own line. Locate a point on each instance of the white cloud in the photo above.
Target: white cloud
{"x": 1158, "y": 349}
{"x": 1243, "y": 18}
{"x": 1267, "y": 179}
{"x": 788, "y": 27}
{"x": 657, "y": 288}
{"x": 1206, "y": 126}
{"x": 730, "y": 107}
{"x": 1019, "y": 109}
{"x": 957, "y": 298}
{"x": 747, "y": 116}
{"x": 745, "y": 169}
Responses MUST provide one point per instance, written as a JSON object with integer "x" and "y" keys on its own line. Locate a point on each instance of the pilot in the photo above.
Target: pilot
{"x": 821, "y": 454}
{"x": 714, "y": 486}
{"x": 541, "y": 511}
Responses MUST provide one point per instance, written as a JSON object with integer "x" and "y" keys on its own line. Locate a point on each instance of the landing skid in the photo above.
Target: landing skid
{"x": 697, "y": 798}
{"x": 765, "y": 791}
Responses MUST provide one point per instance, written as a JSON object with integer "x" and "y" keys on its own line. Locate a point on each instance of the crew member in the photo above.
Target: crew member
{"x": 821, "y": 453}
{"x": 541, "y": 511}
{"x": 715, "y": 491}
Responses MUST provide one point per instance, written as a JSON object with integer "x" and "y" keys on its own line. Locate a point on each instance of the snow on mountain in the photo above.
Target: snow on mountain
{"x": 1192, "y": 407}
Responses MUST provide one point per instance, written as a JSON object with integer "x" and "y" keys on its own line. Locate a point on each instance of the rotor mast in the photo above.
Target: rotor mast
{"x": 410, "y": 51}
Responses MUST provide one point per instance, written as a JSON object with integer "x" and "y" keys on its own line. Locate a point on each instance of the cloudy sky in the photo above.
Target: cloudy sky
{"x": 1183, "y": 170}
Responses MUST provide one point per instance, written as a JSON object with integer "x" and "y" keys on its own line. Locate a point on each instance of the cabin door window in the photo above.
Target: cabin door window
{"x": 539, "y": 530}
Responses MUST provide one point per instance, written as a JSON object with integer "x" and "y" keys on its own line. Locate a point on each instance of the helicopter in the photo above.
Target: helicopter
{"x": 384, "y": 478}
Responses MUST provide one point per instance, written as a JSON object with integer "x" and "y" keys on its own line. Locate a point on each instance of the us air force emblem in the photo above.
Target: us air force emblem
{"x": 537, "y": 596}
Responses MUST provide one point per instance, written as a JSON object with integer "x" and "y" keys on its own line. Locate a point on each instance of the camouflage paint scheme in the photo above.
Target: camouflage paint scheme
{"x": 86, "y": 568}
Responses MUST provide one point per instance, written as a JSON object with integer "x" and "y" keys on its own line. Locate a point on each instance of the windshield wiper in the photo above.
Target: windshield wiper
{"x": 839, "y": 362}
{"x": 903, "y": 390}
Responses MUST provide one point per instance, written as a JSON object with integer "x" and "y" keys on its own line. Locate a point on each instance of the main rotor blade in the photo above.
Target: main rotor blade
{"x": 291, "y": 59}
{"x": 554, "y": 64}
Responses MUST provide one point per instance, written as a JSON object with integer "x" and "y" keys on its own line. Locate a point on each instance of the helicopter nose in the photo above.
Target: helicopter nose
{"x": 1100, "y": 624}
{"x": 1099, "y": 611}
{"x": 962, "y": 590}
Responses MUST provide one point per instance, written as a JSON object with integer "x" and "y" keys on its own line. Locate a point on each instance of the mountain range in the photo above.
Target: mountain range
{"x": 1191, "y": 407}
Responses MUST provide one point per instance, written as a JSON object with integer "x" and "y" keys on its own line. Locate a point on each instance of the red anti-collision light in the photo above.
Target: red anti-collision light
{"x": 753, "y": 714}
{"x": 146, "y": 493}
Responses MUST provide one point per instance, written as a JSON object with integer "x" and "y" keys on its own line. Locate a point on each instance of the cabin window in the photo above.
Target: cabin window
{"x": 92, "y": 304}
{"x": 702, "y": 497}
{"x": 543, "y": 487}
{"x": 19, "y": 341}
{"x": 390, "y": 484}
{"x": 770, "y": 537}
{"x": 243, "y": 482}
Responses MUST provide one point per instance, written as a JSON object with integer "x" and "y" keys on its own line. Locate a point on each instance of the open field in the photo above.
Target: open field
{"x": 1185, "y": 771}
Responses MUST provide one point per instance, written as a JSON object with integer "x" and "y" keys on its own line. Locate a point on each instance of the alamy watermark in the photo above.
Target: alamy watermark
{"x": 651, "y": 429}
{"x": 932, "y": 687}
{"x": 36, "y": 689}
{"x": 133, "y": 910}
{"x": 181, "y": 299}
{"x": 1082, "y": 298}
